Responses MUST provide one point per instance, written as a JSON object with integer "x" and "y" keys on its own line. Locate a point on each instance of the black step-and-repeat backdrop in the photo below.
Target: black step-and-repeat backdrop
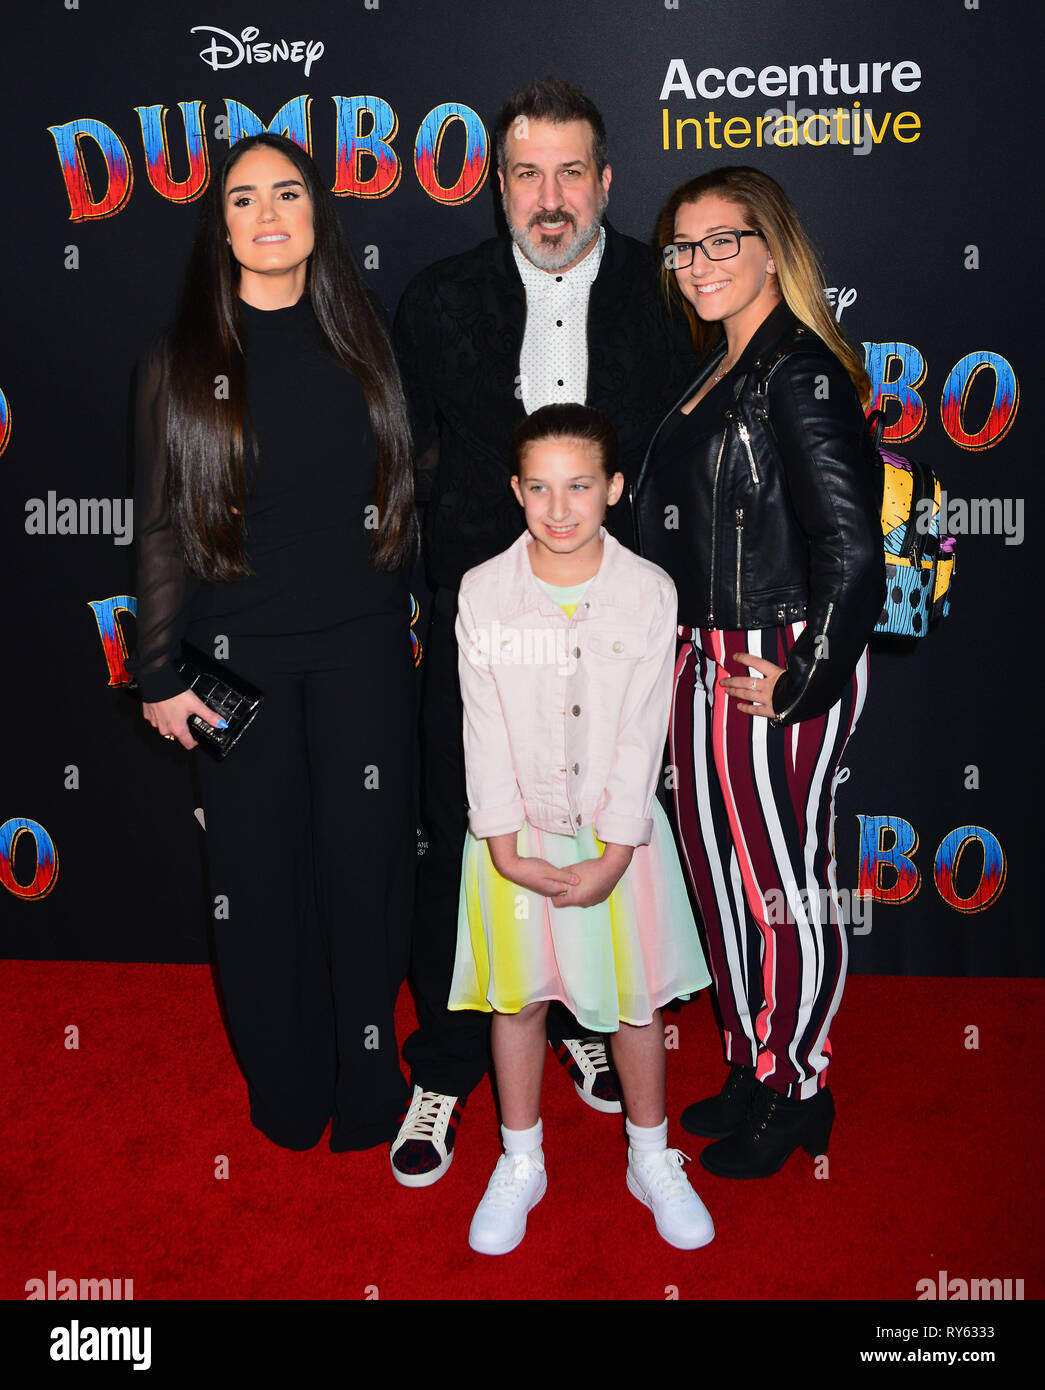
{"x": 902, "y": 131}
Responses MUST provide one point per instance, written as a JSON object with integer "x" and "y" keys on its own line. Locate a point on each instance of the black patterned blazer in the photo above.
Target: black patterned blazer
{"x": 458, "y": 335}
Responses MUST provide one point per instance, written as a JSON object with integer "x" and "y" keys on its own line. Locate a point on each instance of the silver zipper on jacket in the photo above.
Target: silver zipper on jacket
{"x": 634, "y": 518}
{"x": 740, "y": 544}
{"x": 821, "y": 637}
{"x": 714, "y": 515}
{"x": 745, "y": 435}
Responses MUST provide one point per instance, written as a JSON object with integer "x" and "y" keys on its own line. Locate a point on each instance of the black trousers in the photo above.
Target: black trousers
{"x": 450, "y": 1052}
{"x": 311, "y": 841}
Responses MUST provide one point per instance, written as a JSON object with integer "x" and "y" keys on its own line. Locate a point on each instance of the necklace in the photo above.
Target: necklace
{"x": 726, "y": 364}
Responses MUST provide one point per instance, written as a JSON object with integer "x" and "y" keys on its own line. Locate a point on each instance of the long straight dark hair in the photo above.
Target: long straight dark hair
{"x": 207, "y": 424}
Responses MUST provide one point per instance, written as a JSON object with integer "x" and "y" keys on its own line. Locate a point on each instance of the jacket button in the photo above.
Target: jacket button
{"x": 618, "y": 646}
{"x": 576, "y": 709}
{"x": 565, "y": 820}
{"x": 576, "y": 651}
{"x": 578, "y": 820}
{"x": 576, "y": 768}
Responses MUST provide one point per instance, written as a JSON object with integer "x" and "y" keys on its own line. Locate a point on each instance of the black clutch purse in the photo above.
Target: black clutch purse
{"x": 236, "y": 700}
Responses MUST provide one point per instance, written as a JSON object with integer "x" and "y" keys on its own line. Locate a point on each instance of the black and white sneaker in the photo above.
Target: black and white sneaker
{"x": 593, "y": 1074}
{"x": 424, "y": 1147}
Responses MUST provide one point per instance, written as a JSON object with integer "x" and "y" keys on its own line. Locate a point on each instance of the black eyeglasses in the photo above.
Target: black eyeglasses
{"x": 719, "y": 246}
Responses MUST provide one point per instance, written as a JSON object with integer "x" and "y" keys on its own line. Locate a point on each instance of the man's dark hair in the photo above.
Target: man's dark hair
{"x": 556, "y": 100}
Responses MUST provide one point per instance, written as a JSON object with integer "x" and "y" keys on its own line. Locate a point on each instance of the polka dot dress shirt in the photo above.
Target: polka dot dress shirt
{"x": 553, "y": 363}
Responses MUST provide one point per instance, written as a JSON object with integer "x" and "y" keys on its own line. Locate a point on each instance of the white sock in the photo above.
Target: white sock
{"x": 524, "y": 1141}
{"x": 650, "y": 1140}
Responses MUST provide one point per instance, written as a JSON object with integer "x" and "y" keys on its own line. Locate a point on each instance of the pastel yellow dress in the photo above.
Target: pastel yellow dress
{"x": 613, "y": 962}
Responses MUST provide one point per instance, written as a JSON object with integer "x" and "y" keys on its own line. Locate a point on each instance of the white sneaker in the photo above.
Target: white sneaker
{"x": 658, "y": 1181}
{"x": 518, "y": 1183}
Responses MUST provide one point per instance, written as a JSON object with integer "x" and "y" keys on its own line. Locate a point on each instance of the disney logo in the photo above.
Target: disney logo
{"x": 244, "y": 50}
{"x": 840, "y": 299}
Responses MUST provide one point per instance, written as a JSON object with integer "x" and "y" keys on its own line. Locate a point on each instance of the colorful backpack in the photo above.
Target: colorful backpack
{"x": 919, "y": 563}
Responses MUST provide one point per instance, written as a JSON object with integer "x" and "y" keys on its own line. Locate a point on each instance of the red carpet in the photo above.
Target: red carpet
{"x": 109, "y": 1155}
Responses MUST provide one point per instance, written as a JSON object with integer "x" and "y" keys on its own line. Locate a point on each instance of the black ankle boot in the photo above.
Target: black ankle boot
{"x": 772, "y": 1130}
{"x": 719, "y": 1115}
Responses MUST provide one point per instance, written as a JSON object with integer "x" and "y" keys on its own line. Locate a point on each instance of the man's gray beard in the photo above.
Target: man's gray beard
{"x": 555, "y": 257}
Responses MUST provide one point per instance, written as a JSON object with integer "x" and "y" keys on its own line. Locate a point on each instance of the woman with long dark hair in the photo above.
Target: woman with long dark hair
{"x": 761, "y": 495}
{"x": 275, "y": 517}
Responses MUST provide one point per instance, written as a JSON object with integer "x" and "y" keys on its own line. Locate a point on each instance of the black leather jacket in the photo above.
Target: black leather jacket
{"x": 778, "y": 517}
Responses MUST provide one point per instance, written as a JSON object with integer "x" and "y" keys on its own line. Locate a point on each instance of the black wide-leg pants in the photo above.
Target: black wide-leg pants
{"x": 450, "y": 1052}
{"x": 311, "y": 841}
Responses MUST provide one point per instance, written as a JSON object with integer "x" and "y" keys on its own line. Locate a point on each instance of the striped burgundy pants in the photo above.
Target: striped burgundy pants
{"x": 755, "y": 808}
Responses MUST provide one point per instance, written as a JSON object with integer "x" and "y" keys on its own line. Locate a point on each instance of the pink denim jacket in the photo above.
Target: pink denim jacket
{"x": 565, "y": 718}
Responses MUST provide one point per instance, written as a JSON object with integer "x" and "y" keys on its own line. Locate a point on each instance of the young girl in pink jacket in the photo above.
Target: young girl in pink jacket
{"x": 571, "y": 887}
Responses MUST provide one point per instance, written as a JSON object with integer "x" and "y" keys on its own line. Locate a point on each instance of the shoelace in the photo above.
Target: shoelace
{"x": 595, "y": 1053}
{"x": 760, "y": 1111}
{"x": 733, "y": 1081}
{"x": 422, "y": 1124}
{"x": 509, "y": 1178}
{"x": 667, "y": 1176}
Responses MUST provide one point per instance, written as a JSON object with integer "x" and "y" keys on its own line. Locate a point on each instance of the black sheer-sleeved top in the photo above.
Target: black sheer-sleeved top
{"x": 308, "y": 530}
